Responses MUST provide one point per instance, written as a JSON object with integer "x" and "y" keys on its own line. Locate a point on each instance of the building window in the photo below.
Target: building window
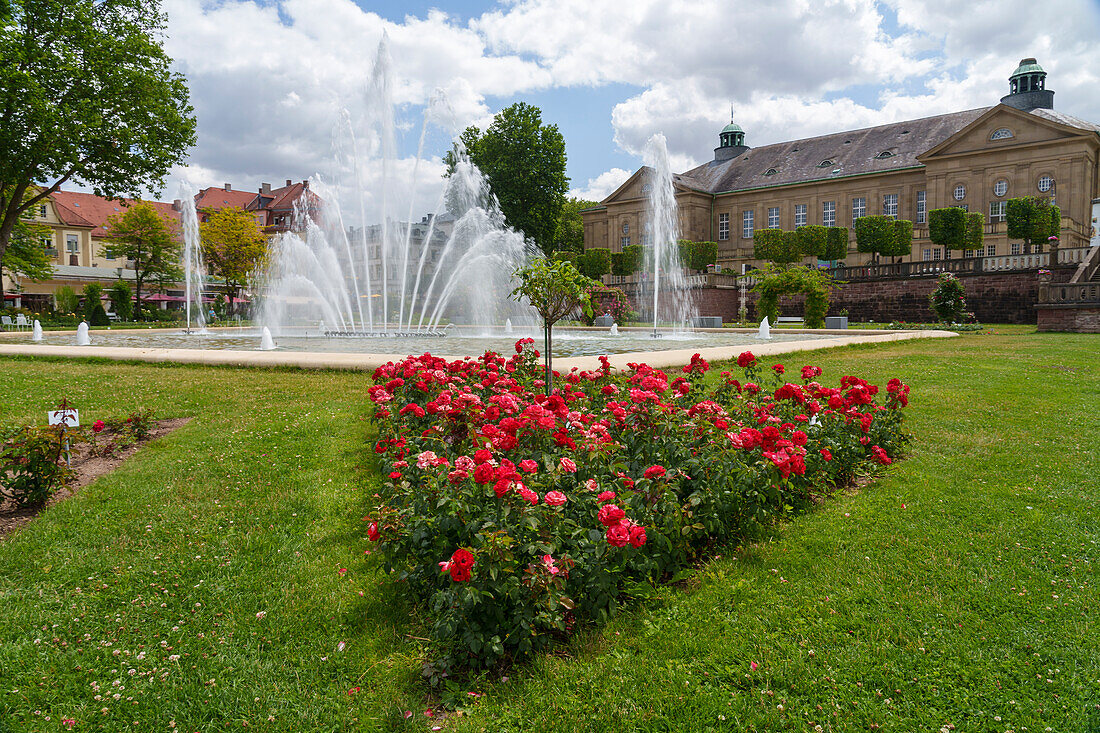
{"x": 968, "y": 253}
{"x": 927, "y": 254}
{"x": 42, "y": 211}
{"x": 71, "y": 243}
{"x": 626, "y": 227}
{"x": 723, "y": 227}
{"x": 884, "y": 154}
{"x": 990, "y": 250}
{"x": 47, "y": 243}
{"x": 828, "y": 213}
{"x": 747, "y": 218}
{"x": 1015, "y": 248}
{"x": 624, "y": 242}
{"x": 859, "y": 208}
{"x": 799, "y": 215}
{"x": 1046, "y": 183}
{"x": 773, "y": 217}
{"x": 922, "y": 207}
{"x": 997, "y": 210}
{"x": 1001, "y": 134}
{"x": 960, "y": 192}
{"x": 770, "y": 172}
{"x": 936, "y": 253}
{"x": 1000, "y": 188}
{"x": 890, "y": 204}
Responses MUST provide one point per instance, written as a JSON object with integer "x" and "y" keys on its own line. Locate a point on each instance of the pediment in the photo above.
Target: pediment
{"x": 631, "y": 187}
{"x": 999, "y": 128}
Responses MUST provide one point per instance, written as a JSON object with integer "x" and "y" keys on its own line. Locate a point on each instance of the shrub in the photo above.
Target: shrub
{"x": 975, "y": 231}
{"x": 122, "y": 300}
{"x": 31, "y": 466}
{"x": 67, "y": 299}
{"x": 813, "y": 240}
{"x": 594, "y": 262}
{"x": 770, "y": 244}
{"x": 948, "y": 300}
{"x": 697, "y": 255}
{"x": 513, "y": 515}
{"x": 92, "y": 293}
{"x": 875, "y": 235}
{"x": 902, "y": 243}
{"x": 632, "y": 258}
{"x": 948, "y": 228}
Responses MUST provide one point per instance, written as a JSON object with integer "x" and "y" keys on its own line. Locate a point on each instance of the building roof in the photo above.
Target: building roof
{"x": 217, "y": 197}
{"x": 1063, "y": 118}
{"x": 94, "y": 210}
{"x": 871, "y": 150}
{"x": 732, "y": 127}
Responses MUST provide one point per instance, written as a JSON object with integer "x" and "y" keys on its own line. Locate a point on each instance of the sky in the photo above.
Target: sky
{"x": 280, "y": 86}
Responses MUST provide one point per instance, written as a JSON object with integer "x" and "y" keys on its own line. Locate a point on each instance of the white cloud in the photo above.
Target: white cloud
{"x": 601, "y": 186}
{"x": 271, "y": 84}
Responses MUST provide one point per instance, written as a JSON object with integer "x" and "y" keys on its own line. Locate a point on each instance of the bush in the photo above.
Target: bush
{"x": 948, "y": 300}
{"x": 594, "y": 262}
{"x": 99, "y": 316}
{"x": 975, "y": 231}
{"x": 776, "y": 245}
{"x": 122, "y": 300}
{"x": 697, "y": 255}
{"x": 633, "y": 255}
{"x": 875, "y": 235}
{"x": 902, "y": 243}
{"x": 92, "y": 294}
{"x": 948, "y": 228}
{"x": 813, "y": 240}
{"x": 31, "y": 467}
{"x": 67, "y": 299}
{"x": 513, "y": 515}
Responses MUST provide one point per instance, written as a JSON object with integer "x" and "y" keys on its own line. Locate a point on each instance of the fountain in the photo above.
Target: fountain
{"x": 508, "y": 326}
{"x": 398, "y": 277}
{"x": 672, "y": 300}
{"x": 765, "y": 331}
{"x": 194, "y": 273}
{"x": 266, "y": 342}
{"x": 82, "y": 338}
{"x": 36, "y": 331}
{"x": 614, "y": 329}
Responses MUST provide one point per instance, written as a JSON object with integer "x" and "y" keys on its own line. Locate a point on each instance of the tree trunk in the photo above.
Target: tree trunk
{"x": 549, "y": 358}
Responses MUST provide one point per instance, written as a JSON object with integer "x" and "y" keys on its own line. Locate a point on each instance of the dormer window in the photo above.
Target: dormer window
{"x": 770, "y": 172}
{"x": 1002, "y": 133}
{"x": 826, "y": 163}
{"x": 884, "y": 154}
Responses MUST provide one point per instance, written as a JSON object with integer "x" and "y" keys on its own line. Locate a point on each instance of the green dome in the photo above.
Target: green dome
{"x": 732, "y": 127}
{"x": 1027, "y": 66}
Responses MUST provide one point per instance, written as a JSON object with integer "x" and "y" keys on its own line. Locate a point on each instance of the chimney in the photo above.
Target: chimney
{"x": 177, "y": 204}
{"x": 265, "y": 189}
{"x": 228, "y": 187}
{"x": 305, "y": 184}
{"x": 288, "y": 182}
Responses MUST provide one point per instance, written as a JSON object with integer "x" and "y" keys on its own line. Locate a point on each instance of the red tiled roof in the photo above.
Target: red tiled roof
{"x": 70, "y": 217}
{"x": 96, "y": 210}
{"x": 216, "y": 197}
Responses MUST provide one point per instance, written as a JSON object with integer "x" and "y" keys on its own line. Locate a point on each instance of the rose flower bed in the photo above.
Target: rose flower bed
{"x": 513, "y": 514}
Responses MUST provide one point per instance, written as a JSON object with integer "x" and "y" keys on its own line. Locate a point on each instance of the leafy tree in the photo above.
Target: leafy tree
{"x": 67, "y": 299}
{"x": 92, "y": 293}
{"x": 776, "y": 245}
{"x": 632, "y": 258}
{"x": 975, "y": 231}
{"x": 1032, "y": 219}
{"x": 86, "y": 95}
{"x": 697, "y": 255}
{"x": 594, "y": 262}
{"x": 903, "y": 238}
{"x": 947, "y": 228}
{"x": 141, "y": 234}
{"x": 877, "y": 235}
{"x": 524, "y": 161}
{"x": 569, "y": 232}
{"x": 836, "y": 244}
{"x": 554, "y": 289}
{"x": 813, "y": 240}
{"x": 234, "y": 244}
{"x": 25, "y": 256}
{"x": 122, "y": 300}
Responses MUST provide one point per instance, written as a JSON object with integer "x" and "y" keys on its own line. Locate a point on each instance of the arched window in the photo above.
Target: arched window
{"x": 1046, "y": 183}
{"x": 1000, "y": 188}
{"x": 884, "y": 154}
{"x": 960, "y": 192}
{"x": 770, "y": 172}
{"x": 1002, "y": 133}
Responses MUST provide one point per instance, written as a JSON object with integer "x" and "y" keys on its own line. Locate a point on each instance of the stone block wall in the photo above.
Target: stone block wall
{"x": 1084, "y": 318}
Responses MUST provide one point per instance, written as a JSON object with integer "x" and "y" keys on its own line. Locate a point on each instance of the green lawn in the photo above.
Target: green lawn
{"x": 960, "y": 589}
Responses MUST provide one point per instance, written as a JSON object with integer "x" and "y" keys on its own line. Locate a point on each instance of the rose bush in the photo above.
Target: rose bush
{"x": 540, "y": 510}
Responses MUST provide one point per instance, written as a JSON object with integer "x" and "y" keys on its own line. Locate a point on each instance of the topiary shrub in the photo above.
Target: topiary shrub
{"x": 99, "y": 316}
{"x": 813, "y": 240}
{"x": 948, "y": 300}
{"x": 836, "y": 244}
{"x": 594, "y": 262}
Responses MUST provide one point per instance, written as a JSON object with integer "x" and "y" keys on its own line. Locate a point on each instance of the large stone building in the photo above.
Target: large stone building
{"x": 976, "y": 159}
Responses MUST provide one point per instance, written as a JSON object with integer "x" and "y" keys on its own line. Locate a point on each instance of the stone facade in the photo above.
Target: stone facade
{"x": 977, "y": 159}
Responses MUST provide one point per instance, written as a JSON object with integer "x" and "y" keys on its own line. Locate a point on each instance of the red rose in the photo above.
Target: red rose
{"x": 826, "y": 454}
{"x": 528, "y": 466}
{"x": 746, "y": 359}
{"x": 484, "y": 473}
{"x": 637, "y": 535}
{"x": 372, "y": 532}
{"x": 618, "y": 535}
{"x": 605, "y": 496}
{"x": 459, "y": 574}
{"x": 778, "y": 368}
{"x": 482, "y": 455}
{"x": 463, "y": 558}
{"x": 555, "y": 498}
{"x": 610, "y": 514}
{"x": 798, "y": 438}
{"x": 98, "y": 426}
{"x": 654, "y": 472}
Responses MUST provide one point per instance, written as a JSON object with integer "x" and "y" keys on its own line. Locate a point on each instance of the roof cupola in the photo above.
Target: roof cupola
{"x": 1028, "y": 87}
{"x": 731, "y": 141}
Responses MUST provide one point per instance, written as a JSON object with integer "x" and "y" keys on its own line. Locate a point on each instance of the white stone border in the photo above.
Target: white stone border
{"x": 369, "y": 362}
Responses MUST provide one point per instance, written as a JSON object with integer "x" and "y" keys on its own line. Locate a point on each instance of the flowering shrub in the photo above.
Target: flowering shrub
{"x": 32, "y": 464}
{"x": 512, "y": 513}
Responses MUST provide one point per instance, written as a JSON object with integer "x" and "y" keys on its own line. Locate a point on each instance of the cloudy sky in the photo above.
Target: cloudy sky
{"x": 278, "y": 85}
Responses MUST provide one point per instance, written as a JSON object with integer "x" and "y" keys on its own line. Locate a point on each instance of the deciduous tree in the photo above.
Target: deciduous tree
{"x": 234, "y": 245}
{"x": 524, "y": 161}
{"x": 86, "y": 95}
{"x": 144, "y": 236}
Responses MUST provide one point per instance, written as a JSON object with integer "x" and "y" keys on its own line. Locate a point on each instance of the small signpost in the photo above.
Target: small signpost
{"x": 65, "y": 417}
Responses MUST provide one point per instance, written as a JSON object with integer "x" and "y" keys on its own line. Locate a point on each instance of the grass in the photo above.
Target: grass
{"x": 960, "y": 589}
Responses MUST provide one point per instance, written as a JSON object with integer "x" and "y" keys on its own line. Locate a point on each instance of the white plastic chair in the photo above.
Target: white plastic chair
{"x": 6, "y": 324}
{"x": 21, "y": 322}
